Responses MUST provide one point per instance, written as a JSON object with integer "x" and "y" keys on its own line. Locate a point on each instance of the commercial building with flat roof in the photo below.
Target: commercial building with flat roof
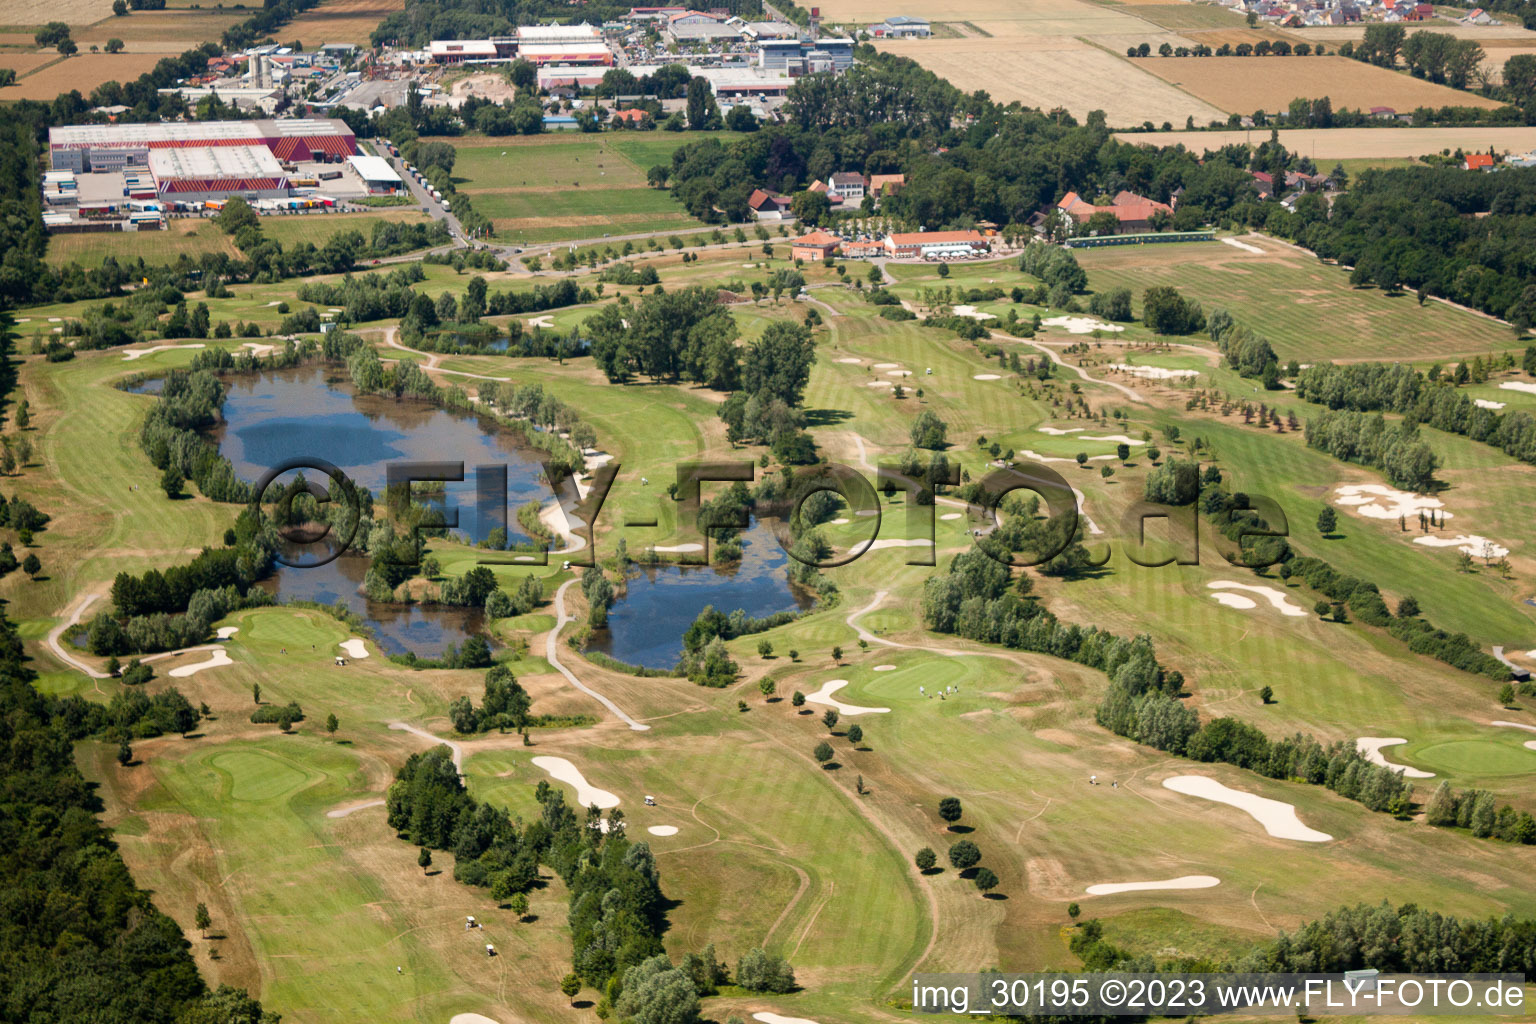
{"x": 376, "y": 174}
{"x": 457, "y": 51}
{"x": 112, "y": 147}
{"x": 538, "y": 54}
{"x": 212, "y": 172}
{"x": 533, "y": 34}
{"x": 935, "y": 244}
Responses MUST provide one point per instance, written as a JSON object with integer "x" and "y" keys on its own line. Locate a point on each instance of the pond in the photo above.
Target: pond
{"x": 646, "y": 626}
{"x": 311, "y": 411}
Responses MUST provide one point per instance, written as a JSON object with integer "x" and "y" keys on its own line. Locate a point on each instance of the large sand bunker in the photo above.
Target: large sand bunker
{"x": 1080, "y": 324}
{"x": 586, "y": 793}
{"x": 774, "y": 1018}
{"x": 1278, "y": 818}
{"x": 1377, "y": 501}
{"x": 986, "y": 376}
{"x": 1184, "y": 882}
{"x": 1278, "y": 599}
{"x": 215, "y": 660}
{"x": 130, "y": 354}
{"x": 1371, "y": 746}
{"x": 354, "y": 648}
{"x": 662, "y": 830}
{"x": 1153, "y": 372}
{"x": 225, "y": 632}
{"x": 1483, "y": 403}
{"x": 1058, "y": 431}
{"x": 824, "y": 696}
{"x": 1519, "y": 385}
{"x": 1472, "y": 544}
{"x": 974, "y": 313}
{"x": 890, "y": 542}
{"x": 472, "y": 1018}
{"x": 1234, "y": 601}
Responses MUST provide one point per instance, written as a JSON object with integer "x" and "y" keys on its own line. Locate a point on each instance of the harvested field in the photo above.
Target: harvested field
{"x": 1242, "y": 85}
{"x": 39, "y": 12}
{"x": 1185, "y": 16}
{"x": 1082, "y": 78}
{"x": 1482, "y": 33}
{"x": 22, "y": 64}
{"x": 1001, "y": 18}
{"x": 83, "y": 72}
{"x": 162, "y": 32}
{"x": 341, "y": 21}
{"x": 1360, "y": 143}
{"x": 1235, "y": 36}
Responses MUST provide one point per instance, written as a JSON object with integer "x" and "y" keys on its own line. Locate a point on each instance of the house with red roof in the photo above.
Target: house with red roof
{"x": 1132, "y": 212}
{"x": 1477, "y": 162}
{"x": 814, "y": 247}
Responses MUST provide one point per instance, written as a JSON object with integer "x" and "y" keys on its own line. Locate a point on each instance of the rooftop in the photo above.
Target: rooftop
{"x": 215, "y": 162}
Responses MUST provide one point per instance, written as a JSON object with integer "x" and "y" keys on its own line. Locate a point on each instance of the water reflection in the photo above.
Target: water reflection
{"x": 646, "y": 627}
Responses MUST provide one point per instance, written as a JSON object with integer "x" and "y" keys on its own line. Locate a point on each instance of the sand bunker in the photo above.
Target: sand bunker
{"x": 1278, "y": 599}
{"x": 824, "y": 696}
{"x": 342, "y": 812}
{"x": 886, "y": 366}
{"x": 953, "y": 515}
{"x": 839, "y": 521}
{"x": 1184, "y": 882}
{"x": 130, "y": 354}
{"x": 1278, "y": 818}
{"x": 986, "y": 376}
{"x": 354, "y": 648}
{"x": 1234, "y": 243}
{"x": 1515, "y": 725}
{"x": 774, "y": 1018}
{"x": 547, "y": 320}
{"x": 1080, "y": 324}
{"x": 586, "y": 794}
{"x": 1153, "y": 372}
{"x": 864, "y": 545}
{"x": 225, "y": 632}
{"x": 898, "y": 373}
{"x": 1035, "y": 456}
{"x": 1371, "y": 746}
{"x": 973, "y": 313}
{"x": 851, "y": 360}
{"x": 1117, "y": 438}
{"x": 1234, "y": 601}
{"x": 1519, "y": 385}
{"x": 215, "y": 660}
{"x": 1377, "y": 501}
{"x": 885, "y": 668}
{"x": 472, "y": 1018}
{"x": 867, "y": 512}
{"x": 1483, "y": 403}
{"x": 1477, "y": 547}
{"x": 678, "y": 548}
{"x": 662, "y": 830}
{"x": 1057, "y": 431}
{"x": 879, "y": 384}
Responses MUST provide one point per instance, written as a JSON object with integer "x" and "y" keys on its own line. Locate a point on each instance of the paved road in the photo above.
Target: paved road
{"x": 458, "y": 751}
{"x": 58, "y": 631}
{"x": 421, "y": 195}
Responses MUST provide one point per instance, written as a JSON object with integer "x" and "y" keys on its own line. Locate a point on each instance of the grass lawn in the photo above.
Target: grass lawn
{"x": 1306, "y": 308}
{"x": 815, "y": 863}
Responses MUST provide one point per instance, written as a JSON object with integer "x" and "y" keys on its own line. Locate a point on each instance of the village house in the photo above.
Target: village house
{"x": 1132, "y": 213}
{"x": 848, "y": 186}
{"x": 766, "y": 206}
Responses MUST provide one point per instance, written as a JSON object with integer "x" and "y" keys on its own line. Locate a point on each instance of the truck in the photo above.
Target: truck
{"x": 328, "y": 175}
{"x": 446, "y": 206}
{"x": 437, "y": 195}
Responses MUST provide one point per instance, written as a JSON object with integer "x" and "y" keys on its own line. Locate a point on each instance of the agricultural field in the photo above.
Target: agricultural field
{"x": 548, "y": 188}
{"x": 1082, "y": 78}
{"x": 1325, "y": 145}
{"x": 192, "y": 236}
{"x": 84, "y": 71}
{"x": 163, "y": 32}
{"x": 1245, "y": 84}
{"x": 342, "y": 21}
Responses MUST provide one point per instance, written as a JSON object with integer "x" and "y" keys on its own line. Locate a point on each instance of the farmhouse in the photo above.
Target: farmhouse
{"x": 1477, "y": 162}
{"x": 935, "y": 244}
{"x": 765, "y": 206}
{"x": 1132, "y": 212}
{"x": 848, "y": 186}
{"x": 814, "y": 247}
{"x": 886, "y": 184}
